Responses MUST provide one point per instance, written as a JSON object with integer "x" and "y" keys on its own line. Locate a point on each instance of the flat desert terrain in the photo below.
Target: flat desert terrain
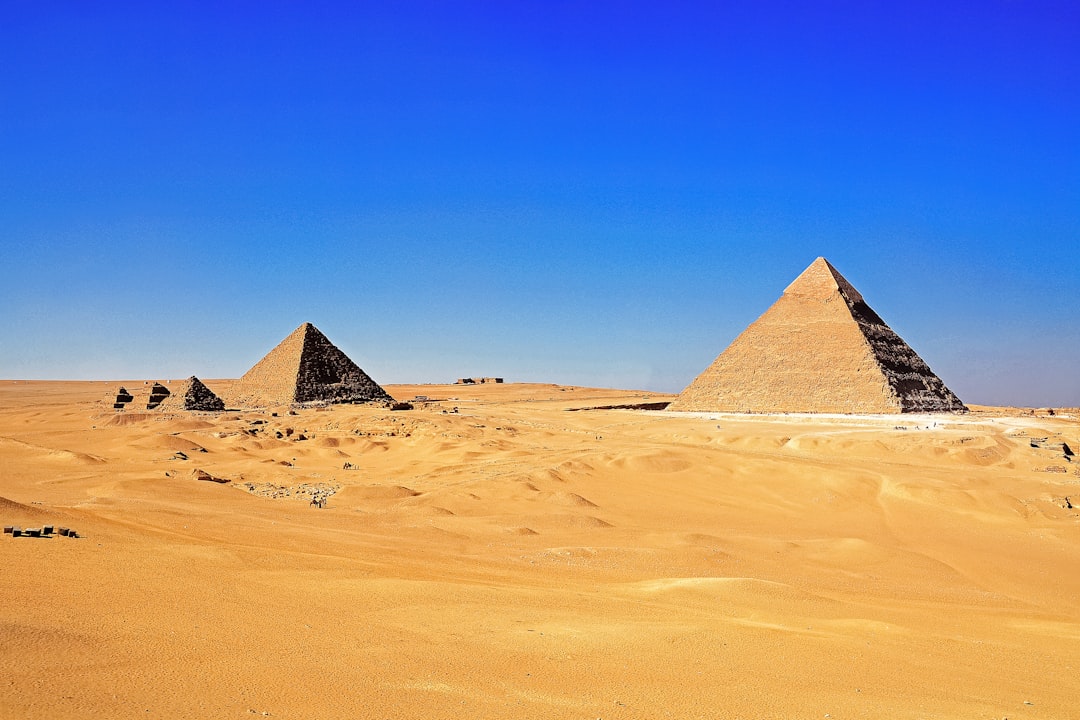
{"x": 528, "y": 557}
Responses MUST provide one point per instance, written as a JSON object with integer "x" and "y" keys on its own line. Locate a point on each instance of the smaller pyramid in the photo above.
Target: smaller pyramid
{"x": 192, "y": 394}
{"x": 157, "y": 394}
{"x": 819, "y": 349}
{"x": 304, "y": 368}
{"x": 123, "y": 397}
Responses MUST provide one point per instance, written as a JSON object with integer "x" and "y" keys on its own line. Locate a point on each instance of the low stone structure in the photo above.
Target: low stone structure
{"x": 45, "y": 531}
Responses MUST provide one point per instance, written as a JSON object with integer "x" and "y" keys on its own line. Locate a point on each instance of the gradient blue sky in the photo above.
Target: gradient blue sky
{"x": 595, "y": 193}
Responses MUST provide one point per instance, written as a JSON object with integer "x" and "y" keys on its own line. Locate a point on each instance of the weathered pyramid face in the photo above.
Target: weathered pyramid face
{"x": 819, "y": 348}
{"x": 305, "y": 367}
{"x": 191, "y": 394}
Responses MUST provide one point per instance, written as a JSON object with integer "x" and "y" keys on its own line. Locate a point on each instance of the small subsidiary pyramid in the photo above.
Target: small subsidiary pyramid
{"x": 304, "y": 368}
{"x": 191, "y": 394}
{"x": 821, "y": 349}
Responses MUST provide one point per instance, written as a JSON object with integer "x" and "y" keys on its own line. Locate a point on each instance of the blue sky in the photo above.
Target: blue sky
{"x": 603, "y": 194}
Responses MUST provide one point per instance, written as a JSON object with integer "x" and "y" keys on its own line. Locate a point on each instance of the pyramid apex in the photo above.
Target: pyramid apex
{"x": 821, "y": 280}
{"x": 303, "y": 330}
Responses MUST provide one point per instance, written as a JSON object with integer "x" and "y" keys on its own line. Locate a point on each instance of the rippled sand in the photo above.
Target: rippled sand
{"x": 518, "y": 559}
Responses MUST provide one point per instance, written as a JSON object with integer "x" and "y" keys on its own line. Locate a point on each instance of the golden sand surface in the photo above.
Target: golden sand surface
{"x": 515, "y": 559}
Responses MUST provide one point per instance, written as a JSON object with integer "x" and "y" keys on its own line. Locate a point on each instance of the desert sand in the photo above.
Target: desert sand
{"x": 526, "y": 557}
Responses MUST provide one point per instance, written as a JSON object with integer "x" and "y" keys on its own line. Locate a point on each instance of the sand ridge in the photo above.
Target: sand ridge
{"x": 490, "y": 554}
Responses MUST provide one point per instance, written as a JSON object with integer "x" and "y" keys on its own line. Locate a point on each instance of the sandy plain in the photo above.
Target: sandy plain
{"x": 519, "y": 558}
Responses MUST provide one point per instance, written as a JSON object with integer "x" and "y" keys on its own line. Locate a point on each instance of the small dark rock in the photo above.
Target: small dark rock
{"x": 207, "y": 477}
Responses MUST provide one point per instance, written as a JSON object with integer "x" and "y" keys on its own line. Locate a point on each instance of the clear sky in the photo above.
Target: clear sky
{"x": 600, "y": 193}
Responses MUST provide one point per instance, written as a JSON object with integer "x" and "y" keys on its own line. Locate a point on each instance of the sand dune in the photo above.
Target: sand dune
{"x": 514, "y": 559}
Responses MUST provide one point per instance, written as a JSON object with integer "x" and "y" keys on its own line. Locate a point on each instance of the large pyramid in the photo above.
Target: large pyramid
{"x": 305, "y": 367}
{"x": 819, "y": 348}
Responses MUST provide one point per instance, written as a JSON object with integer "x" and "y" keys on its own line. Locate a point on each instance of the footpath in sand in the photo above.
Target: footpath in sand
{"x": 520, "y": 559}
